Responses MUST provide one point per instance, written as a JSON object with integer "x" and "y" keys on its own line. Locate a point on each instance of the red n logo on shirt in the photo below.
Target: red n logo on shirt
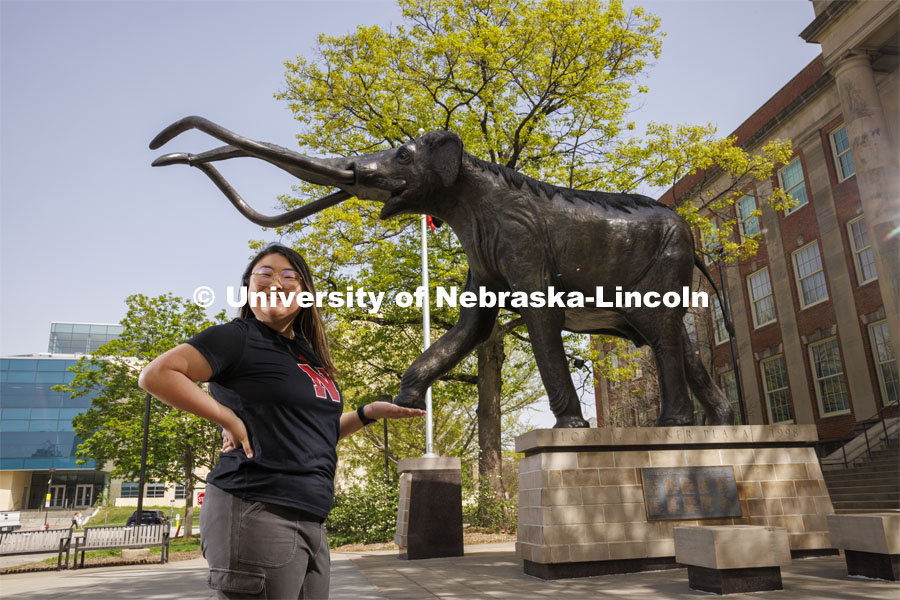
{"x": 321, "y": 382}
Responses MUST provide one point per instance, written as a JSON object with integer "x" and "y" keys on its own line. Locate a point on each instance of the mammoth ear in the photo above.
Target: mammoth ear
{"x": 446, "y": 156}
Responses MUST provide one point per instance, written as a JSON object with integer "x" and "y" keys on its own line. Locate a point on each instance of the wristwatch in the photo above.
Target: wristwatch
{"x": 362, "y": 417}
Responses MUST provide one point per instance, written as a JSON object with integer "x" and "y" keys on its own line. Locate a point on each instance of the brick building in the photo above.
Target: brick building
{"x": 815, "y": 310}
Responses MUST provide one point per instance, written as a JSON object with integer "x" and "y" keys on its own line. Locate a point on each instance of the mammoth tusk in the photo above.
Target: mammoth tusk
{"x": 258, "y": 218}
{"x": 320, "y": 173}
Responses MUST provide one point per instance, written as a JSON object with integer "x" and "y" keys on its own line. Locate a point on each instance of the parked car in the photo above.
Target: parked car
{"x": 9, "y": 521}
{"x": 149, "y": 517}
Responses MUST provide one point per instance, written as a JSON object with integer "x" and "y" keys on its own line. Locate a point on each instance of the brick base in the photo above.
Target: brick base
{"x": 875, "y": 566}
{"x": 599, "y": 567}
{"x": 734, "y": 581}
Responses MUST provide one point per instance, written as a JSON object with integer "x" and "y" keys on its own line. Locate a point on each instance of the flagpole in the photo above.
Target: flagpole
{"x": 426, "y": 327}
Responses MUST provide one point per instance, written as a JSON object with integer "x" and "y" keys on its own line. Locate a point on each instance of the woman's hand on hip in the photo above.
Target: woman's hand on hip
{"x": 235, "y": 435}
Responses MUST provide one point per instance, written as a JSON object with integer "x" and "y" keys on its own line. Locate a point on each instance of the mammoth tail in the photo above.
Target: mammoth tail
{"x": 726, "y": 312}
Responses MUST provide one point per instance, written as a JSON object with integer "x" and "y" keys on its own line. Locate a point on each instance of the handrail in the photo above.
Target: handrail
{"x": 860, "y": 425}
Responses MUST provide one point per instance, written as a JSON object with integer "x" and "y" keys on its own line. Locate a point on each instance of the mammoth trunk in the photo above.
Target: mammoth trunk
{"x": 490, "y": 365}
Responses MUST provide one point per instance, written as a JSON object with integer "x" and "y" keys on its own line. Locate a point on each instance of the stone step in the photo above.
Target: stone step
{"x": 855, "y": 511}
{"x": 874, "y": 488}
{"x": 861, "y": 472}
{"x": 848, "y": 496}
{"x": 866, "y": 505}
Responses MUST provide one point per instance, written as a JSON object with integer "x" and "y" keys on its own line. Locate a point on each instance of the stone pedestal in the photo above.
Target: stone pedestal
{"x": 429, "y": 516}
{"x": 731, "y": 559}
{"x": 871, "y": 543}
{"x": 581, "y": 499}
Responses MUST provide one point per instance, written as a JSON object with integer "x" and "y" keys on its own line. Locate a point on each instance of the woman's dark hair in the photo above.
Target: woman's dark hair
{"x": 308, "y": 322}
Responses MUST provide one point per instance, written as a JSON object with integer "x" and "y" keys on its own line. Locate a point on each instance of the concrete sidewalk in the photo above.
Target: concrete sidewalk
{"x": 486, "y": 571}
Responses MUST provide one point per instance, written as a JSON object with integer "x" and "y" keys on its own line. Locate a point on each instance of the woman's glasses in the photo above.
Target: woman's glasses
{"x": 265, "y": 276}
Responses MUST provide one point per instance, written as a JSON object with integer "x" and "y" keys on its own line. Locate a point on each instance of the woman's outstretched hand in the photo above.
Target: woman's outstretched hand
{"x": 386, "y": 410}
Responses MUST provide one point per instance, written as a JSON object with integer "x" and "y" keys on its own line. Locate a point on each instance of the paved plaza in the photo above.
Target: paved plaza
{"x": 486, "y": 571}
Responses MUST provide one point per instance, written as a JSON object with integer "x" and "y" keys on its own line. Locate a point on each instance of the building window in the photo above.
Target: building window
{"x": 179, "y": 491}
{"x": 761, "y": 297}
{"x": 810, "y": 276}
{"x": 886, "y": 364}
{"x": 828, "y": 372}
{"x": 691, "y": 327}
{"x": 710, "y": 243}
{"x": 842, "y": 155}
{"x": 748, "y": 223}
{"x": 778, "y": 397}
{"x": 862, "y": 251}
{"x": 792, "y": 182}
{"x": 721, "y": 333}
{"x": 729, "y": 386}
{"x": 156, "y": 490}
{"x": 130, "y": 489}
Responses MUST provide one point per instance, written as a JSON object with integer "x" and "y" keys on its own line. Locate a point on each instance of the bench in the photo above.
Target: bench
{"x": 871, "y": 543}
{"x": 104, "y": 538}
{"x": 37, "y": 542}
{"x": 731, "y": 559}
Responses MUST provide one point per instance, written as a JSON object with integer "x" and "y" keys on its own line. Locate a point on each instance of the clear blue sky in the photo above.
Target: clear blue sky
{"x": 85, "y": 221}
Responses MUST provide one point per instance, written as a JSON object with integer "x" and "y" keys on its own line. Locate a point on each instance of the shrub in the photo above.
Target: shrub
{"x": 364, "y": 513}
{"x": 481, "y": 508}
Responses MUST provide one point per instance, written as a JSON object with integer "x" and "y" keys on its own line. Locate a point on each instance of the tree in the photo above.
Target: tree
{"x": 540, "y": 86}
{"x": 180, "y": 443}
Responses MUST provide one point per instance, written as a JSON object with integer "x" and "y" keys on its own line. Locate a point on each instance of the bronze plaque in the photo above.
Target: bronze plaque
{"x": 690, "y": 493}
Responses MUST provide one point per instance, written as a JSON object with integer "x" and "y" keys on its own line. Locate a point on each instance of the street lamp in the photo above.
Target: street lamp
{"x": 47, "y": 502}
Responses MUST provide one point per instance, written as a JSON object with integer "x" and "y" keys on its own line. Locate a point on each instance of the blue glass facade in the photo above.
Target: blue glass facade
{"x": 81, "y": 338}
{"x": 36, "y": 422}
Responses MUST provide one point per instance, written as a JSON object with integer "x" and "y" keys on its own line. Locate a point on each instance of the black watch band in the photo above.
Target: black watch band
{"x": 362, "y": 417}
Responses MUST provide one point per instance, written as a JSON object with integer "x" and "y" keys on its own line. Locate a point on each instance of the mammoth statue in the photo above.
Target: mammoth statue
{"x": 518, "y": 234}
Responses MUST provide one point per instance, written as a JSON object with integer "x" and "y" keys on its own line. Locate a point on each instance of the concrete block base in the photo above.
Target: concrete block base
{"x": 583, "y": 511}
{"x": 734, "y": 581}
{"x": 429, "y": 517}
{"x": 872, "y": 565}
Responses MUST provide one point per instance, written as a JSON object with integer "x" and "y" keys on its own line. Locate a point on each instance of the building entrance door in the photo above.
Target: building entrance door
{"x": 84, "y": 495}
{"x": 57, "y": 496}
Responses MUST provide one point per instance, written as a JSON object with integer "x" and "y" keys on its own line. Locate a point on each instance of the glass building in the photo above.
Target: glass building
{"x": 37, "y": 441}
{"x": 80, "y": 338}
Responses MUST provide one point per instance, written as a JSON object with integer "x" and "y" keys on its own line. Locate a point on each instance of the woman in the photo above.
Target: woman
{"x": 273, "y": 394}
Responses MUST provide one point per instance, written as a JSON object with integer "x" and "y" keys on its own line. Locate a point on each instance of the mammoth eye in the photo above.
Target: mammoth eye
{"x": 404, "y": 155}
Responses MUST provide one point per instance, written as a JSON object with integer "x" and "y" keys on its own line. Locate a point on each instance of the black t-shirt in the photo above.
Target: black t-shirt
{"x": 291, "y": 409}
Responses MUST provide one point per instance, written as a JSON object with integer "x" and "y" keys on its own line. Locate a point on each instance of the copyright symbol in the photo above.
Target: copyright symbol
{"x": 204, "y": 296}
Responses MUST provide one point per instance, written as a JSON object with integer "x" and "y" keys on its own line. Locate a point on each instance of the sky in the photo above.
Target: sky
{"x": 84, "y": 86}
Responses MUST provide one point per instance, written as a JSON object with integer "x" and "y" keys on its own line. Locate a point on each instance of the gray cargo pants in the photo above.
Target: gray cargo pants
{"x": 260, "y": 550}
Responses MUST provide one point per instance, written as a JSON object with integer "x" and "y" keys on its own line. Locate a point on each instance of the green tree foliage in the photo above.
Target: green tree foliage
{"x": 180, "y": 443}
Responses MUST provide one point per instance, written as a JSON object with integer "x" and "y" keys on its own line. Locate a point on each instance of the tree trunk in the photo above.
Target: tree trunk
{"x": 490, "y": 364}
{"x": 188, "y": 493}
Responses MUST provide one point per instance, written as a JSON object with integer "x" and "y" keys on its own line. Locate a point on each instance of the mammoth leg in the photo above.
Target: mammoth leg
{"x": 474, "y": 326}
{"x": 708, "y": 394}
{"x": 676, "y": 407}
{"x": 545, "y": 331}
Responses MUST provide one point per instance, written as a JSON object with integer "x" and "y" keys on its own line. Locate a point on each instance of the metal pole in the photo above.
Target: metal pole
{"x": 726, "y": 313}
{"x": 386, "y": 398}
{"x": 426, "y": 326}
{"x": 139, "y": 519}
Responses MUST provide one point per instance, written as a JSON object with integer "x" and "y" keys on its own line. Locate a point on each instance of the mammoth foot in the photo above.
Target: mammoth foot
{"x": 675, "y": 420}
{"x": 407, "y": 400}
{"x": 721, "y": 415}
{"x": 570, "y": 421}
